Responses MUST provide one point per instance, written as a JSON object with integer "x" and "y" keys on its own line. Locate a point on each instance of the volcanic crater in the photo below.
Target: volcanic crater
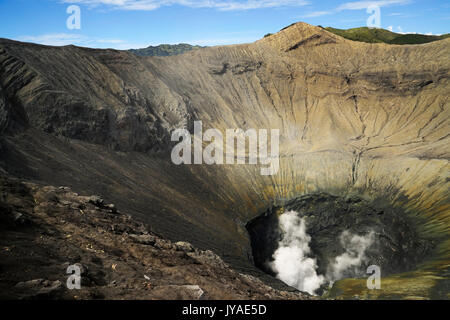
{"x": 364, "y": 145}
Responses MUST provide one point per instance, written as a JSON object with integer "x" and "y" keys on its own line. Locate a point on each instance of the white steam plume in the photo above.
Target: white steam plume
{"x": 293, "y": 265}
{"x": 291, "y": 261}
{"x": 355, "y": 247}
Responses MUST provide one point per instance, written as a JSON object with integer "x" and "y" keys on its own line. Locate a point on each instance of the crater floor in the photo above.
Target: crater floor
{"x": 395, "y": 247}
{"x": 371, "y": 120}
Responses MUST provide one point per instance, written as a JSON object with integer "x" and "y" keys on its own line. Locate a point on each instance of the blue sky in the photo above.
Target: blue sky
{"x": 124, "y": 24}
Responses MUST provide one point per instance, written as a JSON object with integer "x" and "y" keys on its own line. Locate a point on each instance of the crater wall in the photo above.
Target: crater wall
{"x": 368, "y": 119}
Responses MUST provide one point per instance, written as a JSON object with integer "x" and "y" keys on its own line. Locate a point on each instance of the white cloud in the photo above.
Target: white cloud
{"x": 64, "y": 39}
{"x": 54, "y": 39}
{"x": 224, "y": 5}
{"x": 315, "y": 14}
{"x": 357, "y": 5}
{"x": 352, "y": 20}
{"x": 400, "y": 30}
{"x": 362, "y": 5}
{"x": 402, "y": 15}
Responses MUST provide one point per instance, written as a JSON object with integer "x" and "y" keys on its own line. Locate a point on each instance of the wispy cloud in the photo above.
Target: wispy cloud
{"x": 223, "y": 5}
{"x": 401, "y": 31}
{"x": 64, "y": 39}
{"x": 362, "y": 5}
{"x": 352, "y": 20}
{"x": 226, "y": 38}
{"x": 402, "y": 15}
{"x": 315, "y": 14}
{"x": 357, "y": 5}
{"x": 54, "y": 39}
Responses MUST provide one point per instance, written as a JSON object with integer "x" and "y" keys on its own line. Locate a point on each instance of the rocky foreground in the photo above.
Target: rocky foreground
{"x": 46, "y": 229}
{"x": 371, "y": 120}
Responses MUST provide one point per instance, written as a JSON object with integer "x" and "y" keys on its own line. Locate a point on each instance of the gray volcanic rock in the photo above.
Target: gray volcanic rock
{"x": 164, "y": 50}
{"x": 34, "y": 258}
{"x": 354, "y": 118}
{"x": 396, "y": 246}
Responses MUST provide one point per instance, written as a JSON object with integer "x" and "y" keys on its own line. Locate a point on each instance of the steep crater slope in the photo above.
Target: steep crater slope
{"x": 354, "y": 118}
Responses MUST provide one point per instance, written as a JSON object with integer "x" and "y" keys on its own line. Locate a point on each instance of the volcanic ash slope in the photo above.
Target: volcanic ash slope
{"x": 369, "y": 119}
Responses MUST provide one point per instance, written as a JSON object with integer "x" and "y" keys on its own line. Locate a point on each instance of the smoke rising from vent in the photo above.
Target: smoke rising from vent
{"x": 294, "y": 265}
{"x": 291, "y": 262}
{"x": 355, "y": 247}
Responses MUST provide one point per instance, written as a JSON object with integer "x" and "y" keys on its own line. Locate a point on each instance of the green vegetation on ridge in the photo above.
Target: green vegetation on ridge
{"x": 363, "y": 34}
{"x": 375, "y": 35}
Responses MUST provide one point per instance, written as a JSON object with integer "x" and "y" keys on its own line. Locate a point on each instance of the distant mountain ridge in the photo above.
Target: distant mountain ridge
{"x": 375, "y": 35}
{"x": 164, "y": 50}
{"x": 354, "y": 119}
{"x": 362, "y": 34}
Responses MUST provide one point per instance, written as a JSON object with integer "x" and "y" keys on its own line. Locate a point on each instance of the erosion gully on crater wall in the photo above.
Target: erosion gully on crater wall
{"x": 364, "y": 146}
